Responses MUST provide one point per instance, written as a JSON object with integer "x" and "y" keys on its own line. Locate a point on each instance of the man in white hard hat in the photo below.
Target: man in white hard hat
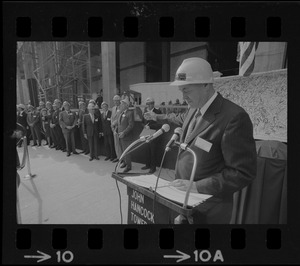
{"x": 22, "y": 120}
{"x": 91, "y": 130}
{"x": 33, "y": 120}
{"x": 221, "y": 134}
{"x": 115, "y": 111}
{"x": 68, "y": 120}
{"x": 125, "y": 130}
{"x": 107, "y": 133}
{"x": 151, "y": 164}
{"x": 82, "y": 111}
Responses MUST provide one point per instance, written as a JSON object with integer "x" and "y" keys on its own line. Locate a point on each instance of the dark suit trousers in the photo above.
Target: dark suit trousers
{"x": 36, "y": 134}
{"x": 54, "y": 137}
{"x": 124, "y": 145}
{"x": 93, "y": 144}
{"x": 151, "y": 146}
{"x": 84, "y": 142}
{"x": 110, "y": 146}
{"x": 60, "y": 137}
{"x": 70, "y": 140}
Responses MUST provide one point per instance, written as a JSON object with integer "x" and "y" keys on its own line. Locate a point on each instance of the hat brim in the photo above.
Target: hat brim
{"x": 182, "y": 82}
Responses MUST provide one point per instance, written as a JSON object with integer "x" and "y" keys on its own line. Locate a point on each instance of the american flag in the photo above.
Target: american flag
{"x": 246, "y": 57}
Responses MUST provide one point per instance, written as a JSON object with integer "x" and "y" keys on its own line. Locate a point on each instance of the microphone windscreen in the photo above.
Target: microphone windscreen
{"x": 165, "y": 127}
{"x": 178, "y": 130}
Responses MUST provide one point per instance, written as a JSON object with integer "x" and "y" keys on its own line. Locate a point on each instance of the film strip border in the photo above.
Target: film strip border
{"x": 156, "y": 244}
{"x": 24, "y": 244}
{"x": 132, "y": 29}
{"x": 149, "y": 21}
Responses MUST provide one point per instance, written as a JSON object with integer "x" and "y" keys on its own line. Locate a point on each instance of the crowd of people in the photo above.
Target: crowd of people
{"x": 56, "y": 122}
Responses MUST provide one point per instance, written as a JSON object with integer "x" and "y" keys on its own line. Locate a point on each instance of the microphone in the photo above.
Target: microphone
{"x": 176, "y": 135}
{"x": 164, "y": 128}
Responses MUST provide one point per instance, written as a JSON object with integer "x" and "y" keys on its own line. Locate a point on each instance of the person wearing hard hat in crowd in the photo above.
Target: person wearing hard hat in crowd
{"x": 68, "y": 119}
{"x": 82, "y": 111}
{"x": 151, "y": 146}
{"x": 33, "y": 120}
{"x": 56, "y": 122}
{"x": 22, "y": 120}
{"x": 115, "y": 112}
{"x": 125, "y": 131}
{"x": 49, "y": 115}
{"x": 91, "y": 130}
{"x": 96, "y": 107}
{"x": 107, "y": 133}
{"x": 45, "y": 119}
{"x": 220, "y": 133}
{"x": 99, "y": 99}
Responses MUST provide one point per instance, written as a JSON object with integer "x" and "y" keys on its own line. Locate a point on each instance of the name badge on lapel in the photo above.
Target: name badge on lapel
{"x": 203, "y": 144}
{"x": 108, "y": 119}
{"x": 123, "y": 115}
{"x": 96, "y": 119}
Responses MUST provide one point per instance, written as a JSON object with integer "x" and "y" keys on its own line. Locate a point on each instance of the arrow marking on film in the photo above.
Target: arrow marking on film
{"x": 180, "y": 257}
{"x": 41, "y": 257}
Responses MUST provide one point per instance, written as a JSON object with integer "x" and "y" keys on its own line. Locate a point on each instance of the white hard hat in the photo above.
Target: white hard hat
{"x": 193, "y": 70}
{"x": 116, "y": 98}
{"x": 21, "y": 105}
{"x": 104, "y": 103}
{"x": 91, "y": 106}
{"x": 149, "y": 100}
{"x": 125, "y": 100}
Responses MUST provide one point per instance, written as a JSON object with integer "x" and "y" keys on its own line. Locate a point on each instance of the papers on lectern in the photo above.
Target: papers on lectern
{"x": 166, "y": 190}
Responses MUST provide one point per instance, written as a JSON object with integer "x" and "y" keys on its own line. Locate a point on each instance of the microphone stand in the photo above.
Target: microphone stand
{"x": 181, "y": 219}
{"x": 126, "y": 152}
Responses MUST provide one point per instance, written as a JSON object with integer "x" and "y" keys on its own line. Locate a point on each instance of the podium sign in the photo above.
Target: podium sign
{"x": 140, "y": 205}
{"x": 140, "y": 209}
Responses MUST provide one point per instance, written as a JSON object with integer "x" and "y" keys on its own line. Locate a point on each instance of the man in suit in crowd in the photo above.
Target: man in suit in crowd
{"x": 125, "y": 130}
{"x": 58, "y": 129}
{"x": 96, "y": 107}
{"x": 220, "y": 133}
{"x": 115, "y": 112}
{"x": 49, "y": 114}
{"x": 107, "y": 133}
{"x": 91, "y": 130}
{"x": 22, "y": 120}
{"x": 151, "y": 146}
{"x": 82, "y": 111}
{"x": 68, "y": 119}
{"x": 99, "y": 99}
{"x": 33, "y": 120}
{"x": 54, "y": 125}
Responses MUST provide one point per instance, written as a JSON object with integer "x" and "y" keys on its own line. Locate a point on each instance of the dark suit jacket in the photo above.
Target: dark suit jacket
{"x": 22, "y": 119}
{"x": 106, "y": 123}
{"x": 91, "y": 128}
{"x": 230, "y": 164}
{"x": 125, "y": 124}
{"x": 67, "y": 119}
{"x": 152, "y": 124}
{"x": 33, "y": 118}
{"x": 55, "y": 117}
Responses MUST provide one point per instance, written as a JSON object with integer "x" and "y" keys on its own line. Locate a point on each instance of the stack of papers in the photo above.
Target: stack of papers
{"x": 166, "y": 190}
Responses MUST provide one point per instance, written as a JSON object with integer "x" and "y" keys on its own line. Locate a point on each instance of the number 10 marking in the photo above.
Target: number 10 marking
{"x": 66, "y": 256}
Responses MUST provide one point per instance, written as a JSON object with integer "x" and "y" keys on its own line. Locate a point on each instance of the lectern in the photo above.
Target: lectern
{"x": 140, "y": 205}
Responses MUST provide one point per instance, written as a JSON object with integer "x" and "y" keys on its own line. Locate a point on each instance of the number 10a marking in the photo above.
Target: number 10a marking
{"x": 66, "y": 256}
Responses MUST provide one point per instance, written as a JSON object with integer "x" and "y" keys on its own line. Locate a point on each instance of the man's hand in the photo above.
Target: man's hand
{"x": 69, "y": 127}
{"x": 183, "y": 184}
{"x": 150, "y": 115}
{"x": 146, "y": 127}
{"x": 121, "y": 135}
{"x": 85, "y": 135}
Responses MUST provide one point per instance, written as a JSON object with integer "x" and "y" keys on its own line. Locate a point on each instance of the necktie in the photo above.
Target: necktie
{"x": 92, "y": 116}
{"x": 192, "y": 125}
